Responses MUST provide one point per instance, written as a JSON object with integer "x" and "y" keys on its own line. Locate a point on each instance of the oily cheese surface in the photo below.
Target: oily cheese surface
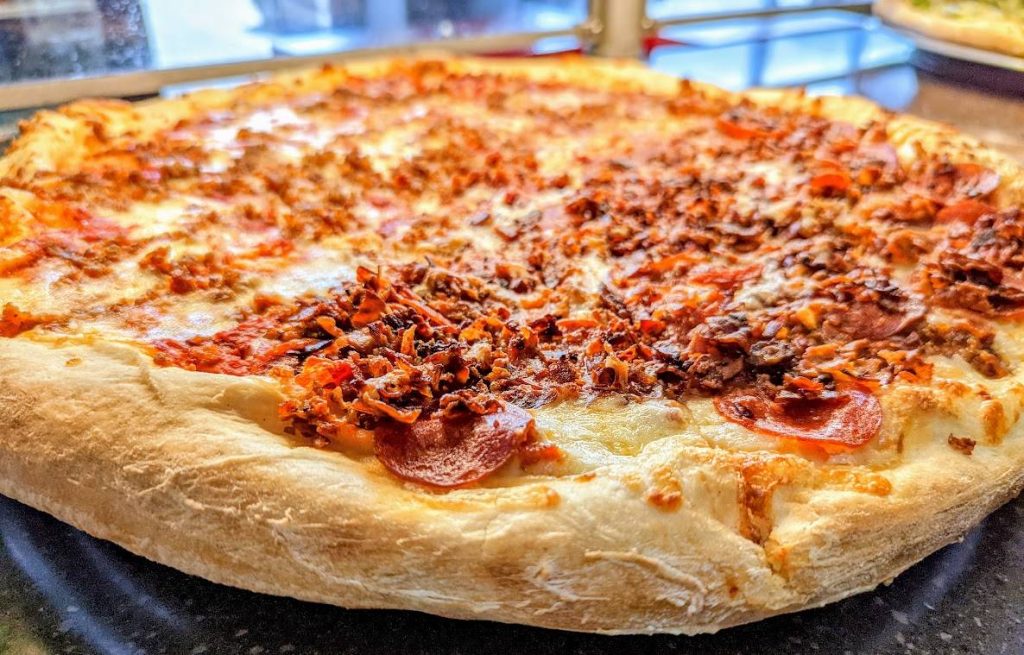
{"x": 996, "y": 26}
{"x": 657, "y": 516}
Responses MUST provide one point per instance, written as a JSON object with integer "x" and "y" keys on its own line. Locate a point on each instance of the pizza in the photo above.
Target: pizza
{"x": 996, "y": 25}
{"x": 566, "y": 343}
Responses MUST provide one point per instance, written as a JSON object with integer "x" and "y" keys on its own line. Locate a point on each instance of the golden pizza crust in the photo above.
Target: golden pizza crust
{"x": 194, "y": 471}
{"x": 987, "y": 32}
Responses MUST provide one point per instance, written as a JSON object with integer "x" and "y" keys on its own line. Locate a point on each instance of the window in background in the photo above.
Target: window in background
{"x": 823, "y": 49}
{"x": 61, "y": 38}
{"x": 70, "y": 38}
{"x": 668, "y": 9}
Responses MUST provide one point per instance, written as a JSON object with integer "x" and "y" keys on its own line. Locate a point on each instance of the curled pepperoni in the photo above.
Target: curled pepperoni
{"x": 849, "y": 418}
{"x": 452, "y": 451}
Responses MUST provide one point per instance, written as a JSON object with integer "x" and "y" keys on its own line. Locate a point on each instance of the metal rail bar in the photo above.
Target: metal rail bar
{"x": 617, "y": 28}
{"x": 859, "y": 7}
{"x": 768, "y": 38}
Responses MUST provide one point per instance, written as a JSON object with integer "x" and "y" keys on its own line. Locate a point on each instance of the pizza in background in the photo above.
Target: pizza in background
{"x": 996, "y": 25}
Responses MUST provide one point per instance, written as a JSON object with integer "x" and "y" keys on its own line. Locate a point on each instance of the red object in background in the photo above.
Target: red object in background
{"x": 650, "y": 43}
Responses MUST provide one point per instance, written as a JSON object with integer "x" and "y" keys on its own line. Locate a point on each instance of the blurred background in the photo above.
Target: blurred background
{"x": 42, "y": 39}
{"x": 52, "y": 51}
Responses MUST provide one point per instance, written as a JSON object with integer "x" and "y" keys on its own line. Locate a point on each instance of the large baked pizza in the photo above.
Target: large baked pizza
{"x": 996, "y": 25}
{"x": 570, "y": 344}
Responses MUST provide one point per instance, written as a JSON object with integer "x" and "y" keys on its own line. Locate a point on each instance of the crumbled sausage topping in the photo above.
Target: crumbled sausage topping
{"x": 523, "y": 243}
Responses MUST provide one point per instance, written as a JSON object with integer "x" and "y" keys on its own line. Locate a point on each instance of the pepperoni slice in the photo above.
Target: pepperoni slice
{"x": 454, "y": 451}
{"x": 850, "y": 418}
{"x": 869, "y": 321}
{"x": 966, "y": 211}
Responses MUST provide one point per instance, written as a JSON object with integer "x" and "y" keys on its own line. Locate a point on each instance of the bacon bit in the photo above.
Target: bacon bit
{"x": 808, "y": 316}
{"x": 738, "y": 130}
{"x": 651, "y": 326}
{"x": 328, "y": 325}
{"x": 272, "y": 248}
{"x": 325, "y": 373}
{"x": 534, "y": 452}
{"x": 472, "y": 334}
{"x": 664, "y": 265}
{"x": 479, "y": 218}
{"x": 261, "y": 302}
{"x": 878, "y": 163}
{"x": 964, "y": 445}
{"x": 370, "y": 309}
{"x": 369, "y": 404}
{"x": 431, "y": 314}
{"x": 568, "y": 324}
{"x": 408, "y": 342}
{"x": 847, "y": 419}
{"x": 538, "y": 301}
{"x": 453, "y": 451}
{"x": 594, "y": 347}
{"x": 725, "y": 278}
{"x": 803, "y": 384}
{"x": 824, "y": 351}
{"x": 907, "y": 246}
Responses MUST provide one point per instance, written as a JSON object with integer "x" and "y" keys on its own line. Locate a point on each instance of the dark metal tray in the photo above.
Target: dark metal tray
{"x": 62, "y": 591}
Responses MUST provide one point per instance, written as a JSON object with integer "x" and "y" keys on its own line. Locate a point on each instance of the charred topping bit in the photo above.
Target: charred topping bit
{"x": 783, "y": 264}
{"x": 961, "y": 444}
